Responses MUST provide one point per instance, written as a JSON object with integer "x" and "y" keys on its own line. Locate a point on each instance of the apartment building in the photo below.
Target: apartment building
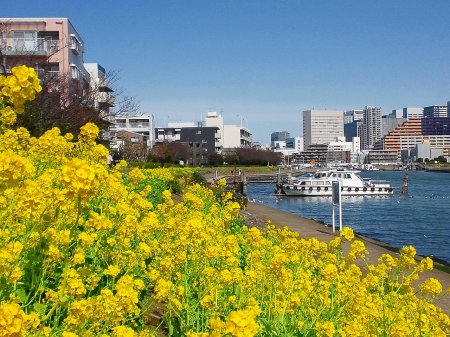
{"x": 141, "y": 124}
{"x": 411, "y": 129}
{"x": 103, "y": 97}
{"x": 236, "y": 136}
{"x": 371, "y": 126}
{"x": 50, "y": 45}
{"x": 229, "y": 136}
{"x": 322, "y": 126}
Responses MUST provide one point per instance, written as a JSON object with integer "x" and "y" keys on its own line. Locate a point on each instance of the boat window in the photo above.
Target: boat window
{"x": 334, "y": 175}
{"x": 347, "y": 176}
{"x": 307, "y": 183}
{"x": 327, "y": 182}
{"x": 340, "y": 175}
{"x": 302, "y": 183}
{"x": 320, "y": 183}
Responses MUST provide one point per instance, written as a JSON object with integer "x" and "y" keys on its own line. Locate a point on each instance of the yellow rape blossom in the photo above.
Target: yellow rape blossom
{"x": 90, "y": 251}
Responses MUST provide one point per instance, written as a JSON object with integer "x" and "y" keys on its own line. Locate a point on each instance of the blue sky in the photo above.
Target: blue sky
{"x": 263, "y": 62}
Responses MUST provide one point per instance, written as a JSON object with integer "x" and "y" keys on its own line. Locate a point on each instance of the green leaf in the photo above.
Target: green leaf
{"x": 40, "y": 308}
{"x": 21, "y": 294}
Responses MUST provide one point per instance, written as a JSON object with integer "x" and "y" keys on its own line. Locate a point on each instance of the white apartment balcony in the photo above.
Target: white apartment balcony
{"x": 78, "y": 74}
{"x": 48, "y": 73}
{"x": 166, "y": 138}
{"x": 75, "y": 44}
{"x": 28, "y": 46}
{"x": 105, "y": 99}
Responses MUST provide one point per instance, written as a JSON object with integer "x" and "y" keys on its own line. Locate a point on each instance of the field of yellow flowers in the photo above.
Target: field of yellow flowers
{"x": 90, "y": 251}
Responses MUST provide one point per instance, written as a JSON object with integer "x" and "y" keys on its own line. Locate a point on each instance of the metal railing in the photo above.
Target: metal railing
{"x": 27, "y": 46}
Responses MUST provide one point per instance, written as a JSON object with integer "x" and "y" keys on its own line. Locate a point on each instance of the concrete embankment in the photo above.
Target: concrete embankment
{"x": 258, "y": 215}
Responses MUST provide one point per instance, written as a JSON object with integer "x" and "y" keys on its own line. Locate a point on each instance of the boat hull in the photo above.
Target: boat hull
{"x": 297, "y": 191}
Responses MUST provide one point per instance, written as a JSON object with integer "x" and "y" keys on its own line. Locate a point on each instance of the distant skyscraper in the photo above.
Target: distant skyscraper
{"x": 371, "y": 127}
{"x": 353, "y": 115}
{"x": 397, "y": 113}
{"x": 435, "y": 111}
{"x": 409, "y": 113}
{"x": 322, "y": 126}
{"x": 278, "y": 136}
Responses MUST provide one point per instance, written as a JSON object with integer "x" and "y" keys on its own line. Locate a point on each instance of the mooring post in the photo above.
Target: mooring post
{"x": 405, "y": 184}
{"x": 244, "y": 185}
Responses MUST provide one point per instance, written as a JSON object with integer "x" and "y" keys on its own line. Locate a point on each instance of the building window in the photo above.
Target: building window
{"x": 122, "y": 123}
{"x": 75, "y": 44}
{"x": 25, "y": 40}
{"x": 139, "y": 123}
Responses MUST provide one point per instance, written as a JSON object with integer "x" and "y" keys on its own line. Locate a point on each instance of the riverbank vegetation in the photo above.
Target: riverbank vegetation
{"x": 87, "y": 250}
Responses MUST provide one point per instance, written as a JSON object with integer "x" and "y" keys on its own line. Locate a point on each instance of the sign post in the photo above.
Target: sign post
{"x": 336, "y": 199}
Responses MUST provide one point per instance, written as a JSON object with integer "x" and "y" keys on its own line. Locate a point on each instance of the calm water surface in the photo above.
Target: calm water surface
{"x": 421, "y": 219}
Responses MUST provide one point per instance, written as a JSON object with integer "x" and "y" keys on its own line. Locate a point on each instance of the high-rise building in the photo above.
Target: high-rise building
{"x": 409, "y": 113}
{"x": 396, "y": 113}
{"x": 353, "y": 115}
{"x": 372, "y": 132}
{"x": 278, "y": 136}
{"x": 322, "y": 126}
{"x": 436, "y": 126}
{"x": 435, "y": 111}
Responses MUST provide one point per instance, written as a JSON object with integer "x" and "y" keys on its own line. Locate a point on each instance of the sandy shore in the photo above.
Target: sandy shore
{"x": 258, "y": 214}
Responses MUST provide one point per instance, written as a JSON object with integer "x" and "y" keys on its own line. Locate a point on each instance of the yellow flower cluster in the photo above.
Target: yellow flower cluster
{"x": 90, "y": 251}
{"x": 16, "y": 89}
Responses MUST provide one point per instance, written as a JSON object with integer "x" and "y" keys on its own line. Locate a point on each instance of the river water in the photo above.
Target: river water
{"x": 421, "y": 219}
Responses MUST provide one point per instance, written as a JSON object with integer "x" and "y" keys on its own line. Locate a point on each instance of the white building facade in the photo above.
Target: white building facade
{"x": 409, "y": 113}
{"x": 228, "y": 136}
{"x": 142, "y": 124}
{"x": 236, "y": 136}
{"x": 213, "y": 119}
{"x": 372, "y": 131}
{"x": 322, "y": 126}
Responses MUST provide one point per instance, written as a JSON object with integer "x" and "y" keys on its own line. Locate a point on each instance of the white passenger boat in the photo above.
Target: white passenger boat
{"x": 320, "y": 183}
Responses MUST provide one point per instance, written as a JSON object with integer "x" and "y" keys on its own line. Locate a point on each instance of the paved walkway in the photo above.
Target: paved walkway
{"x": 258, "y": 214}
